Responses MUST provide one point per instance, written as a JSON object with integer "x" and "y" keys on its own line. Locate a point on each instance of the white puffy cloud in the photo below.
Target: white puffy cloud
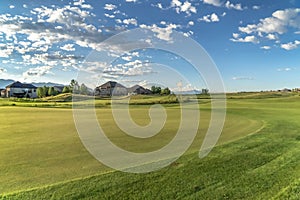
{"x": 11, "y": 6}
{"x": 130, "y": 21}
{"x": 191, "y": 23}
{"x": 131, "y": 1}
{"x": 271, "y": 36}
{"x": 68, "y": 47}
{"x": 227, "y": 4}
{"x": 279, "y": 22}
{"x": 214, "y": 17}
{"x": 38, "y": 71}
{"x": 210, "y": 18}
{"x": 129, "y": 69}
{"x": 110, "y": 7}
{"x": 82, "y": 5}
{"x": 162, "y": 33}
{"x": 213, "y": 2}
{"x": 291, "y": 45}
{"x": 265, "y": 47}
{"x": 272, "y": 28}
{"x": 109, "y": 16}
{"x": 255, "y": 7}
{"x": 235, "y": 35}
{"x": 185, "y": 7}
{"x": 249, "y": 38}
{"x": 230, "y": 5}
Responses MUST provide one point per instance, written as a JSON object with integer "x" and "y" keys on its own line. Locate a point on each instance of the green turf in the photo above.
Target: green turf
{"x": 257, "y": 158}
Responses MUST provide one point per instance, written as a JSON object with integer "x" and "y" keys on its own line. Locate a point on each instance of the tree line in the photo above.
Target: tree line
{"x": 73, "y": 87}
{"x": 159, "y": 90}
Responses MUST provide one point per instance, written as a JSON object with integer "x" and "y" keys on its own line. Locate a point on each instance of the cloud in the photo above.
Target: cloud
{"x": 109, "y": 16}
{"x": 82, "y": 5}
{"x": 265, "y": 47}
{"x": 290, "y": 45}
{"x": 68, "y": 47}
{"x": 279, "y": 22}
{"x": 130, "y": 21}
{"x": 2, "y": 70}
{"x": 188, "y": 87}
{"x": 110, "y": 7}
{"x": 11, "y": 6}
{"x": 249, "y": 38}
{"x": 273, "y": 27}
{"x": 131, "y": 1}
{"x": 129, "y": 69}
{"x": 191, "y": 23}
{"x": 185, "y": 7}
{"x": 255, "y": 7}
{"x": 213, "y": 2}
{"x": 38, "y": 71}
{"x": 272, "y": 36}
{"x": 239, "y": 78}
{"x": 286, "y": 69}
{"x": 230, "y": 5}
{"x": 209, "y": 18}
{"x": 162, "y": 33}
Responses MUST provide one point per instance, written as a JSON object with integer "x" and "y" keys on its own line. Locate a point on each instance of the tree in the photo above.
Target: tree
{"x": 66, "y": 89}
{"x": 156, "y": 90}
{"x": 52, "y": 91}
{"x": 205, "y": 91}
{"x": 46, "y": 89}
{"x": 153, "y": 89}
{"x": 83, "y": 89}
{"x": 40, "y": 92}
{"x": 165, "y": 91}
{"x": 74, "y": 86}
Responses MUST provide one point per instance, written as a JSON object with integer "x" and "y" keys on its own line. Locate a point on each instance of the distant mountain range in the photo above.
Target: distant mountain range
{"x": 5, "y": 82}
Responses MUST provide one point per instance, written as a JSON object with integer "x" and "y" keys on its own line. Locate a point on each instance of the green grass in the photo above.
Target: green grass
{"x": 257, "y": 156}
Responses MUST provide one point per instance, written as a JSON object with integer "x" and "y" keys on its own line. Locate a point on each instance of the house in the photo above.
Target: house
{"x": 111, "y": 88}
{"x": 20, "y": 90}
{"x": 285, "y": 90}
{"x": 137, "y": 89}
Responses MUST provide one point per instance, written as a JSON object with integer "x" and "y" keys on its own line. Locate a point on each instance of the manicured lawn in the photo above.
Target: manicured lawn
{"x": 257, "y": 157}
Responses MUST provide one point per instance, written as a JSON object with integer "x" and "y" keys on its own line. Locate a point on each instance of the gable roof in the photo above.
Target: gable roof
{"x": 18, "y": 84}
{"x": 139, "y": 89}
{"x": 111, "y": 84}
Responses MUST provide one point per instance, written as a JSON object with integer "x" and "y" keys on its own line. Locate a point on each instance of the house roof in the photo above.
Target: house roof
{"x": 111, "y": 84}
{"x": 138, "y": 88}
{"x": 20, "y": 85}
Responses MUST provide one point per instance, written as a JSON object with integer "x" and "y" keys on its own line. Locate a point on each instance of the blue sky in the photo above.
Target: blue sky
{"x": 255, "y": 44}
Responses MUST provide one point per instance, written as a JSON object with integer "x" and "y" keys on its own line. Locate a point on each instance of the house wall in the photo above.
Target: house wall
{"x": 32, "y": 93}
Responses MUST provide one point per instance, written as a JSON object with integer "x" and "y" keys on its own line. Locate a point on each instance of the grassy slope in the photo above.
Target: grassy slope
{"x": 262, "y": 165}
